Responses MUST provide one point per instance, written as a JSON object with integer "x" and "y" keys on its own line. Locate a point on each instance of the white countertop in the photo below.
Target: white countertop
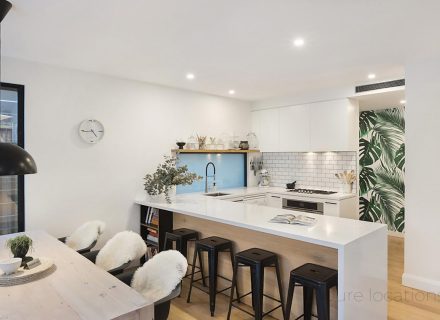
{"x": 328, "y": 231}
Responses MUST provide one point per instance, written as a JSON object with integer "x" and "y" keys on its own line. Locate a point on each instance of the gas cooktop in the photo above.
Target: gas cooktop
{"x": 311, "y": 191}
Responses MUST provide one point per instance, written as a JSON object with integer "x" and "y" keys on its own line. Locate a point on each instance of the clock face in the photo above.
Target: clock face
{"x": 91, "y": 131}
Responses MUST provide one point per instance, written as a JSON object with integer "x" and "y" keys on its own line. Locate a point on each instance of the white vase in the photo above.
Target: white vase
{"x": 347, "y": 187}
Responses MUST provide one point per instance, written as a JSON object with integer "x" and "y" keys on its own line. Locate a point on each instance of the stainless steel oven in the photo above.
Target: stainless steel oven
{"x": 305, "y": 206}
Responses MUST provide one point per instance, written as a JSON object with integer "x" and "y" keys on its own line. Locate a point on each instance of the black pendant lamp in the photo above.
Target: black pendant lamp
{"x": 14, "y": 160}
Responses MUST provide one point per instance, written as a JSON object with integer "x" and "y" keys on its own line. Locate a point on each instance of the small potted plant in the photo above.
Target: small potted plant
{"x": 167, "y": 176}
{"x": 20, "y": 246}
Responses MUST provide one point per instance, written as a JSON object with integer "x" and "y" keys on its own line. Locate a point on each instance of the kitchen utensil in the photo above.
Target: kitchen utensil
{"x": 291, "y": 185}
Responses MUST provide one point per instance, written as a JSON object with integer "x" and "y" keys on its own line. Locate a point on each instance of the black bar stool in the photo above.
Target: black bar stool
{"x": 257, "y": 260}
{"x": 316, "y": 278}
{"x": 181, "y": 237}
{"x": 212, "y": 245}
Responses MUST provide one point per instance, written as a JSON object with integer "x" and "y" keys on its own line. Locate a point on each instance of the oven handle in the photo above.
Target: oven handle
{"x": 303, "y": 210}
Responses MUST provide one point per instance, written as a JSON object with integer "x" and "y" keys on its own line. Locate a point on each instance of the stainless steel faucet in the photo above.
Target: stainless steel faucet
{"x": 206, "y": 176}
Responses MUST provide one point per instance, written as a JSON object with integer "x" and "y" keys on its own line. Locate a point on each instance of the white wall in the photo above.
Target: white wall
{"x": 77, "y": 182}
{"x": 422, "y": 235}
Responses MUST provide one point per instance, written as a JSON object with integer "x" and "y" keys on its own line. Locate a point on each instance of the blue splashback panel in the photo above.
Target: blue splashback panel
{"x": 230, "y": 170}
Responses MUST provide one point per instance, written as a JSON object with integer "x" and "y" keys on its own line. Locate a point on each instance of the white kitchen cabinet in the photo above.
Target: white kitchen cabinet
{"x": 265, "y": 124}
{"x": 317, "y": 127}
{"x": 294, "y": 129}
{"x": 334, "y": 125}
{"x": 274, "y": 201}
{"x": 331, "y": 208}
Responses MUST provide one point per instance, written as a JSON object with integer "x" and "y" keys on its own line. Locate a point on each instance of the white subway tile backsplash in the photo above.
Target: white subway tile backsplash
{"x": 310, "y": 170}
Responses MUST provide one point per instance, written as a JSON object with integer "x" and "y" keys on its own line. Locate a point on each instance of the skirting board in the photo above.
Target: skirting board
{"x": 420, "y": 283}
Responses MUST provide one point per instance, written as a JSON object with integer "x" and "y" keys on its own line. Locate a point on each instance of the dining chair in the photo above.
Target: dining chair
{"x": 85, "y": 237}
{"x": 117, "y": 254}
{"x": 159, "y": 280}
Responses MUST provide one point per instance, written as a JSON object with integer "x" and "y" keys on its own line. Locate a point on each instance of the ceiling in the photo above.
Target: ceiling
{"x": 243, "y": 45}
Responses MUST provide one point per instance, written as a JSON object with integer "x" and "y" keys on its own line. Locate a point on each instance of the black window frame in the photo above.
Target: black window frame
{"x": 20, "y": 141}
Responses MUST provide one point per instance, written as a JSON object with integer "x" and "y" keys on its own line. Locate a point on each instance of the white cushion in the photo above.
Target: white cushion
{"x": 85, "y": 235}
{"x": 125, "y": 246}
{"x": 160, "y": 275}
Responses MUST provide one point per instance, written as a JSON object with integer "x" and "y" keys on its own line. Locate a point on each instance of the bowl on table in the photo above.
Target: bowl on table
{"x": 9, "y": 266}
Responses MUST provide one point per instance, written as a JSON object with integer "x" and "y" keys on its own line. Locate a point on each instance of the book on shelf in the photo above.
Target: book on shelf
{"x": 153, "y": 239}
{"x": 293, "y": 219}
{"x": 152, "y": 235}
{"x": 152, "y": 216}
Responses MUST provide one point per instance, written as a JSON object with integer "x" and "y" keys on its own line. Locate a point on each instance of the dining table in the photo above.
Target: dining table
{"x": 75, "y": 289}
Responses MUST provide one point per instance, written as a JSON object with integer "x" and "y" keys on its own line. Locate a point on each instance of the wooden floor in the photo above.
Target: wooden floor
{"x": 404, "y": 303}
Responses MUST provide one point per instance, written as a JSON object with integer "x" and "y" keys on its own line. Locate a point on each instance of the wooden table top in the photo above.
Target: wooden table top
{"x": 76, "y": 290}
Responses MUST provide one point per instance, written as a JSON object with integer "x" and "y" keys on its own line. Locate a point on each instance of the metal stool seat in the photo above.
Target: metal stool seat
{"x": 316, "y": 278}
{"x": 257, "y": 259}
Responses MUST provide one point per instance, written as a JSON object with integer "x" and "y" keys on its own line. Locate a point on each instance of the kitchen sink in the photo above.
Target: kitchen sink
{"x": 216, "y": 194}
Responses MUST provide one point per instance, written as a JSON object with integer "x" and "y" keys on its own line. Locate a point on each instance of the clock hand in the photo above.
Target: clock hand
{"x": 91, "y": 130}
{"x": 86, "y": 130}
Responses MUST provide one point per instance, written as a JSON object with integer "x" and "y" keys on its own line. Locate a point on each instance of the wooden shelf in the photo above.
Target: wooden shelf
{"x": 152, "y": 243}
{"x": 150, "y": 226}
{"x": 214, "y": 151}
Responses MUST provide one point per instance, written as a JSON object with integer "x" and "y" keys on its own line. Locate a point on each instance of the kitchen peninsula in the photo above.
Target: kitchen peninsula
{"x": 343, "y": 244}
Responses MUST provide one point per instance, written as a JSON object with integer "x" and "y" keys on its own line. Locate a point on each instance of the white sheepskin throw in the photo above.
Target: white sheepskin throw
{"x": 125, "y": 246}
{"x": 85, "y": 235}
{"x": 160, "y": 275}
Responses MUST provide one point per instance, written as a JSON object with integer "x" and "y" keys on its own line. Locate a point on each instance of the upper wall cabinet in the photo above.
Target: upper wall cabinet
{"x": 294, "y": 129}
{"x": 322, "y": 126}
{"x": 265, "y": 124}
{"x": 334, "y": 125}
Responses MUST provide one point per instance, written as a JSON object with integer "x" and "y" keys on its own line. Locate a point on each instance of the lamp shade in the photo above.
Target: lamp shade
{"x": 15, "y": 160}
{"x": 5, "y": 6}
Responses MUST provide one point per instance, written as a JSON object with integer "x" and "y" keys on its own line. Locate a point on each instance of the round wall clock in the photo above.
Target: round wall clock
{"x": 91, "y": 131}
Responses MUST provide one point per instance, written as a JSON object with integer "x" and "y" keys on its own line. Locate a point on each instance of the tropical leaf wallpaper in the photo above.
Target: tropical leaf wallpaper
{"x": 382, "y": 167}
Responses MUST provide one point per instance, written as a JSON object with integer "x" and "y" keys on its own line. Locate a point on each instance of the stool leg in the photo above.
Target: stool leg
{"x": 201, "y": 269}
{"x": 259, "y": 289}
{"x": 254, "y": 292}
{"x": 289, "y": 298}
{"x": 234, "y": 284}
{"x": 184, "y": 248}
{"x": 200, "y": 263}
{"x": 213, "y": 260}
{"x": 165, "y": 243}
{"x": 192, "y": 273}
{"x": 322, "y": 301}
{"x": 308, "y": 299}
{"x": 232, "y": 263}
{"x": 277, "y": 268}
{"x": 178, "y": 245}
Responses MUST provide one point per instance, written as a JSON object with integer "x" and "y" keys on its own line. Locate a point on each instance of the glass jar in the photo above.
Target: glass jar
{"x": 192, "y": 143}
{"x": 253, "y": 140}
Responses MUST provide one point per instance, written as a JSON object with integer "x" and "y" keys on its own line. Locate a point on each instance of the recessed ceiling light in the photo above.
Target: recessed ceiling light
{"x": 231, "y": 92}
{"x": 298, "y": 42}
{"x": 190, "y": 76}
{"x": 371, "y": 76}
{"x": 402, "y": 101}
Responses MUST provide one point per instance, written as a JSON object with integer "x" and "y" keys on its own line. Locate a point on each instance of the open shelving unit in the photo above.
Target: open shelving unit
{"x": 154, "y": 224}
{"x": 213, "y": 151}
